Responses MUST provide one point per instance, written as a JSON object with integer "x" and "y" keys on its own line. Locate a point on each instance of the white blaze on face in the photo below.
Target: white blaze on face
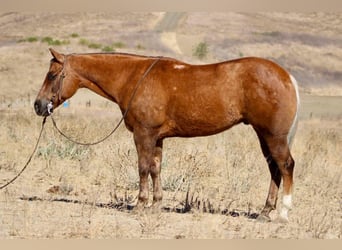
{"x": 179, "y": 66}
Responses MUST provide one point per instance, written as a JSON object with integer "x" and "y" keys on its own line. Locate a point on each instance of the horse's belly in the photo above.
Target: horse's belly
{"x": 205, "y": 123}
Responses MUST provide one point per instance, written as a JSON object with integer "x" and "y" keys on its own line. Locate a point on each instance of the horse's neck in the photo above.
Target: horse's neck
{"x": 106, "y": 75}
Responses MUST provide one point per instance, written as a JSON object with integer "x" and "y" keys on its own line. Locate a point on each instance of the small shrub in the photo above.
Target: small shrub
{"x": 56, "y": 42}
{"x": 47, "y": 39}
{"x": 74, "y": 35}
{"x": 201, "y": 51}
{"x": 94, "y": 45}
{"x": 91, "y": 45}
{"x": 84, "y": 41}
{"x": 32, "y": 39}
{"x": 51, "y": 41}
{"x": 118, "y": 45}
{"x": 59, "y": 42}
{"x": 67, "y": 150}
{"x": 108, "y": 49}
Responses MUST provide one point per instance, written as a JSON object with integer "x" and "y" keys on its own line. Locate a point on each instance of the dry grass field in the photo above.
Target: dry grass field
{"x": 213, "y": 186}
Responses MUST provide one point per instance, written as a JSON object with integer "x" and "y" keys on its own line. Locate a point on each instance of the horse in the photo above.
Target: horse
{"x": 177, "y": 99}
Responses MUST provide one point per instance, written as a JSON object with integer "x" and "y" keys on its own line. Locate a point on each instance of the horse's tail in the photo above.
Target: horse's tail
{"x": 294, "y": 125}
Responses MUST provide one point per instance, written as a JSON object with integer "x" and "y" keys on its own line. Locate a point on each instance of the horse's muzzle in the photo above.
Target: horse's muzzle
{"x": 43, "y": 107}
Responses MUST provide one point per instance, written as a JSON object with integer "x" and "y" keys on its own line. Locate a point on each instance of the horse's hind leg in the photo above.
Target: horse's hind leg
{"x": 281, "y": 164}
{"x": 272, "y": 196}
{"x": 280, "y": 153}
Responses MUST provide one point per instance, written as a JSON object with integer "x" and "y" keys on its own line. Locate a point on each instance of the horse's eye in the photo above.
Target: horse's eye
{"x": 51, "y": 76}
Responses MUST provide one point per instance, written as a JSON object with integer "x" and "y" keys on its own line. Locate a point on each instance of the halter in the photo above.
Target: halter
{"x": 157, "y": 59}
{"x": 59, "y": 90}
{"x": 60, "y": 83}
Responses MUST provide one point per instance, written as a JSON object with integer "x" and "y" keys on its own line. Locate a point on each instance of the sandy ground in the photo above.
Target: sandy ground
{"x": 74, "y": 192}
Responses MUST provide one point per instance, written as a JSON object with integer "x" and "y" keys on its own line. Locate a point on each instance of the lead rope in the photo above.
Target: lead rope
{"x": 29, "y": 159}
{"x": 81, "y": 143}
{"x": 122, "y": 118}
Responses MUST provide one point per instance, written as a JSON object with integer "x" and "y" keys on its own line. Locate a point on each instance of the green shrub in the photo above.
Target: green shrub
{"x": 108, "y": 49}
{"x": 201, "y": 51}
{"x": 74, "y": 35}
{"x": 67, "y": 150}
{"x": 91, "y": 45}
{"x": 94, "y": 45}
{"x": 49, "y": 40}
{"x": 32, "y": 39}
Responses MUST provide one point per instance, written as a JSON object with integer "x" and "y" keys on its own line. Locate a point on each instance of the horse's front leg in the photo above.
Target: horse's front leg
{"x": 145, "y": 143}
{"x": 155, "y": 174}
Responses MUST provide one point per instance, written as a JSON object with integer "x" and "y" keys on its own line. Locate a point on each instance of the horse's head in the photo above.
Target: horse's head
{"x": 58, "y": 85}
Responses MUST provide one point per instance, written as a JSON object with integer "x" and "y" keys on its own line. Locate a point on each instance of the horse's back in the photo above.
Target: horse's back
{"x": 206, "y": 99}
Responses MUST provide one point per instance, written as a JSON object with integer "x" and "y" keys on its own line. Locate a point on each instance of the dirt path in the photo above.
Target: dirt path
{"x": 167, "y": 27}
{"x": 170, "y": 21}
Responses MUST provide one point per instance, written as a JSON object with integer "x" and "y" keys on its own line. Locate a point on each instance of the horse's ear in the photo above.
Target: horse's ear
{"x": 59, "y": 57}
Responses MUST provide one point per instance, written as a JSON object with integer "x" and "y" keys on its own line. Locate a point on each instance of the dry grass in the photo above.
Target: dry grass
{"x": 73, "y": 191}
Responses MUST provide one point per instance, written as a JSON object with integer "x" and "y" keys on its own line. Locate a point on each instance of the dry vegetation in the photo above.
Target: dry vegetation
{"x": 213, "y": 186}
{"x": 73, "y": 191}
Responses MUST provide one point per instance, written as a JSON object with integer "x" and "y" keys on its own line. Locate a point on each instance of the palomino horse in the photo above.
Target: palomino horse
{"x": 176, "y": 99}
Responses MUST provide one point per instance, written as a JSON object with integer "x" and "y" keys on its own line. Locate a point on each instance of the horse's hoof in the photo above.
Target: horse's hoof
{"x": 152, "y": 210}
{"x": 157, "y": 207}
{"x": 263, "y": 218}
{"x": 281, "y": 219}
{"x": 283, "y": 216}
{"x": 138, "y": 208}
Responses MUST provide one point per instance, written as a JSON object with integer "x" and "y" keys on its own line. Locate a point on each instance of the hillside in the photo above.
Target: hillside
{"x": 308, "y": 45}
